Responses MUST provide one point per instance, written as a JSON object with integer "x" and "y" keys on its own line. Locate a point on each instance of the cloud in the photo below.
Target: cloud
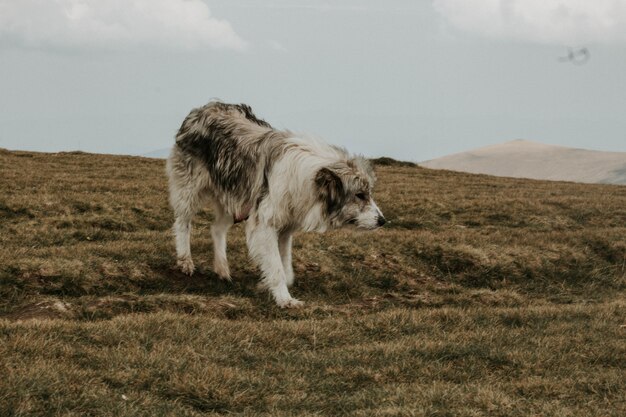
{"x": 542, "y": 21}
{"x": 326, "y": 6}
{"x": 114, "y": 23}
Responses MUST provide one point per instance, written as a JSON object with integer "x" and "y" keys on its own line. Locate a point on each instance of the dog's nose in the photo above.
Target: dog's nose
{"x": 381, "y": 220}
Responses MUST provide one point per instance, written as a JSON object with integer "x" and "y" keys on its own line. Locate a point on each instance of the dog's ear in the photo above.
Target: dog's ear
{"x": 330, "y": 188}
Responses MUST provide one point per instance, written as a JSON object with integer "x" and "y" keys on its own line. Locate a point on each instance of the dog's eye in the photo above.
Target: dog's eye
{"x": 361, "y": 196}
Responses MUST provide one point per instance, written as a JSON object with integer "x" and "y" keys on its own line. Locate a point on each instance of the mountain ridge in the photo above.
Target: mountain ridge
{"x": 522, "y": 158}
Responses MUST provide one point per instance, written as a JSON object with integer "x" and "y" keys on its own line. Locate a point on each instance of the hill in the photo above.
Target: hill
{"x": 159, "y": 153}
{"x": 527, "y": 159}
{"x": 483, "y": 296}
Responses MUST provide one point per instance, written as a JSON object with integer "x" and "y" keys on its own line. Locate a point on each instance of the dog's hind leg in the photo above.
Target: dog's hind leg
{"x": 186, "y": 185}
{"x": 184, "y": 213}
{"x": 263, "y": 246}
{"x": 284, "y": 246}
{"x": 219, "y": 229}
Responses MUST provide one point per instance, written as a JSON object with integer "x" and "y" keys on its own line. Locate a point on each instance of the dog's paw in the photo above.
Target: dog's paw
{"x": 290, "y": 303}
{"x": 222, "y": 271}
{"x": 185, "y": 265}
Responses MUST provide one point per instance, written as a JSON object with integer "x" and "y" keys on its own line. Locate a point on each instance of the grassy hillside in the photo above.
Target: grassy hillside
{"x": 482, "y": 296}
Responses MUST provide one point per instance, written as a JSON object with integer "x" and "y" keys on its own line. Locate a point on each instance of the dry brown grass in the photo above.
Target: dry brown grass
{"x": 483, "y": 296}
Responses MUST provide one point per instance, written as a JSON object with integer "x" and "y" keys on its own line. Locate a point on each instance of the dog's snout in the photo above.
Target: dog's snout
{"x": 381, "y": 221}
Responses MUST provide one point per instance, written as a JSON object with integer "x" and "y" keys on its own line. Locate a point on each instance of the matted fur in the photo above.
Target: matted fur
{"x": 277, "y": 181}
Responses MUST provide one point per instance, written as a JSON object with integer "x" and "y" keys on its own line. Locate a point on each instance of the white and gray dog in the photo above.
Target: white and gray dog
{"x": 278, "y": 181}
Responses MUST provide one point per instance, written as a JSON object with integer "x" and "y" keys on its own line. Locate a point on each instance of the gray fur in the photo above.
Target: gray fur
{"x": 234, "y": 146}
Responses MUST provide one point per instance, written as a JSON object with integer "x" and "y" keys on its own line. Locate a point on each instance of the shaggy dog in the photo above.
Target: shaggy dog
{"x": 278, "y": 181}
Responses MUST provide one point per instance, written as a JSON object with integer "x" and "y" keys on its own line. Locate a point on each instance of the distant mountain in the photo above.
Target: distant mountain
{"x": 159, "y": 153}
{"x": 527, "y": 159}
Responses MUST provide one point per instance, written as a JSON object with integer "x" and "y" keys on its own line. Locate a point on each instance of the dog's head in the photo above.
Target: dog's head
{"x": 345, "y": 188}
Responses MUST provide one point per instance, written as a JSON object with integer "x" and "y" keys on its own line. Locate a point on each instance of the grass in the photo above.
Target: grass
{"x": 483, "y": 296}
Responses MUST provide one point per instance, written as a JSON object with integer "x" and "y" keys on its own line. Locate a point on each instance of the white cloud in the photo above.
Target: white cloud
{"x": 543, "y": 21}
{"x": 114, "y": 23}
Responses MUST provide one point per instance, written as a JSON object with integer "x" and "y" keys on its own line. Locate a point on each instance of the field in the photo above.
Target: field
{"x": 482, "y": 296}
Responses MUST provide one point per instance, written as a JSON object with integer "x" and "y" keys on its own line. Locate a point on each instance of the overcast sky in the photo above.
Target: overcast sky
{"x": 411, "y": 79}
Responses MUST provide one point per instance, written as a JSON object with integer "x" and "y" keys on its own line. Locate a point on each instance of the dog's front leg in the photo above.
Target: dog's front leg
{"x": 263, "y": 246}
{"x": 284, "y": 246}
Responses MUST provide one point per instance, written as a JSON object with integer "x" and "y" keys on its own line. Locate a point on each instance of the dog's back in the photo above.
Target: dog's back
{"x": 233, "y": 147}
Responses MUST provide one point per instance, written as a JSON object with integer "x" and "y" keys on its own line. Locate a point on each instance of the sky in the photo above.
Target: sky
{"x": 409, "y": 79}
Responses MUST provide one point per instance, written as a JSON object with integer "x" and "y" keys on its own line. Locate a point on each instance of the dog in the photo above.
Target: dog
{"x": 274, "y": 180}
